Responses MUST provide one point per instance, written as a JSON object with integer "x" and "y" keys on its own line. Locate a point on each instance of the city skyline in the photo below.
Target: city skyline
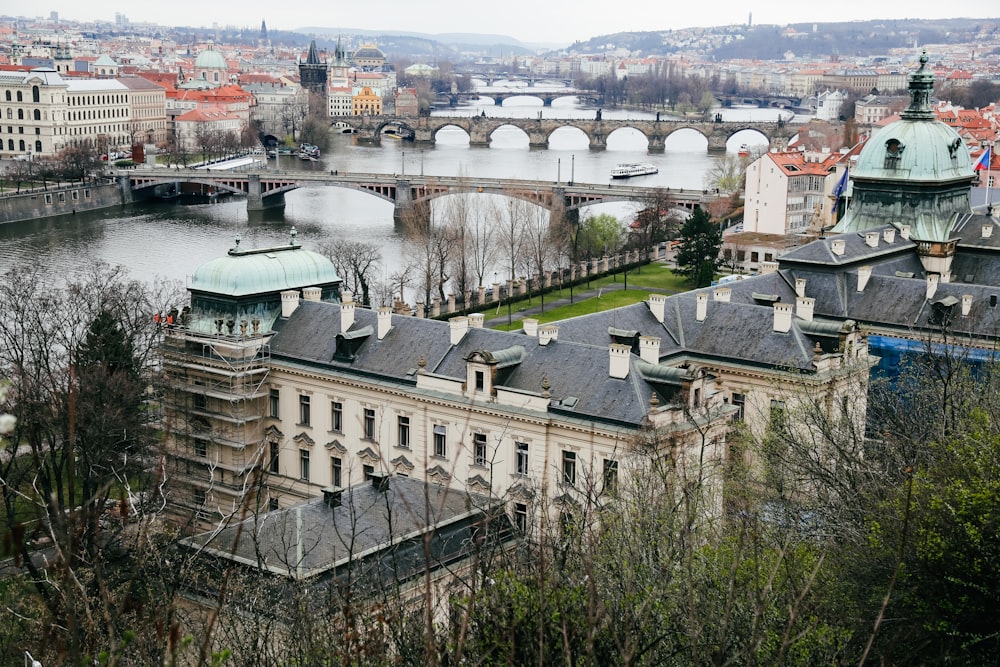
{"x": 531, "y": 23}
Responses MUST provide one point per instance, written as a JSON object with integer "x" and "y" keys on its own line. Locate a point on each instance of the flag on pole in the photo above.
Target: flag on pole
{"x": 839, "y": 189}
{"x": 984, "y": 161}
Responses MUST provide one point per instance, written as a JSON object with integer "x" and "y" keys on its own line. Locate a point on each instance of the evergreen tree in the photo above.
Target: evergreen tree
{"x": 698, "y": 255}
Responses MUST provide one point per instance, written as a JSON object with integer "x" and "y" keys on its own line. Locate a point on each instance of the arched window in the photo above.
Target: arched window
{"x": 38, "y": 146}
{"x": 38, "y": 114}
{"x": 20, "y": 98}
{"x": 20, "y": 145}
{"x": 35, "y": 95}
{"x": 8, "y": 96}
{"x": 10, "y": 144}
{"x": 20, "y": 114}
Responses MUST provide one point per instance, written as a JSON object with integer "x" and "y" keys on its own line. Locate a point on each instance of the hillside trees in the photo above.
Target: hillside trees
{"x": 74, "y": 469}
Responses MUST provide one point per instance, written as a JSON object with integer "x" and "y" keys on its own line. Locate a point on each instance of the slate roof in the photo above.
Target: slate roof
{"x": 855, "y": 249}
{"x": 368, "y": 523}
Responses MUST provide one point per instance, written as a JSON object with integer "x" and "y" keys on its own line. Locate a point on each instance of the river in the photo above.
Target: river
{"x": 169, "y": 241}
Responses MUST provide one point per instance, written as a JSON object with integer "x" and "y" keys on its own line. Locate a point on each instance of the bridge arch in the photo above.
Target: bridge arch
{"x": 522, "y": 96}
{"x": 218, "y": 185}
{"x": 752, "y": 132}
{"x": 620, "y": 132}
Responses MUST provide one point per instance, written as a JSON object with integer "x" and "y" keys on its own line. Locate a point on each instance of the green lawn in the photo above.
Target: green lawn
{"x": 656, "y": 277}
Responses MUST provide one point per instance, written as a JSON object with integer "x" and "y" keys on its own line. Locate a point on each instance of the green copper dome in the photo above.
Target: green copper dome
{"x": 263, "y": 271}
{"x": 210, "y": 59}
{"x": 915, "y": 172}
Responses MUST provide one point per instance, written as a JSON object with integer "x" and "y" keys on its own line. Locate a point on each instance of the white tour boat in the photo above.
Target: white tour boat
{"x": 630, "y": 169}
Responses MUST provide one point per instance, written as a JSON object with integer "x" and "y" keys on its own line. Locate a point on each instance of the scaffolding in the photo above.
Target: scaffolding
{"x": 215, "y": 403}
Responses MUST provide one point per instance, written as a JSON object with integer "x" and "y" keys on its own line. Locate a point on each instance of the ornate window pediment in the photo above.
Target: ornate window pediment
{"x": 334, "y": 445}
{"x": 521, "y": 491}
{"x": 477, "y": 484}
{"x": 402, "y": 463}
{"x": 438, "y": 475}
{"x": 304, "y": 439}
{"x": 368, "y": 455}
{"x": 272, "y": 433}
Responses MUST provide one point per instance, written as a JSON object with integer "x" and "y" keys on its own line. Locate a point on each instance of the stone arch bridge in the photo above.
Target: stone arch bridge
{"x": 481, "y": 128}
{"x": 265, "y": 190}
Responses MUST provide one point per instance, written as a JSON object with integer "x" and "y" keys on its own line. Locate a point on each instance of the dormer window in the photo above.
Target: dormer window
{"x": 893, "y": 152}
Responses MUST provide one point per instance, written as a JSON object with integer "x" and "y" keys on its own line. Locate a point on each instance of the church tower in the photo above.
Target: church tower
{"x": 313, "y": 72}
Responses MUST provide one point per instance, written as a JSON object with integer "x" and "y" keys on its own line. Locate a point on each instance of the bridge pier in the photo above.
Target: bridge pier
{"x": 717, "y": 143}
{"x": 538, "y": 139}
{"x": 256, "y": 200}
{"x": 479, "y": 136}
{"x": 403, "y": 203}
{"x": 423, "y": 136}
{"x": 598, "y": 142}
{"x": 657, "y": 144}
{"x": 125, "y": 185}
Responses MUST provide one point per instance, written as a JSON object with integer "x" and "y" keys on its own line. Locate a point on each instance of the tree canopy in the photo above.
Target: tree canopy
{"x": 698, "y": 255}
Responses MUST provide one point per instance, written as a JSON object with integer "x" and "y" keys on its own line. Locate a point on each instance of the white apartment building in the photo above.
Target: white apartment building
{"x": 787, "y": 192}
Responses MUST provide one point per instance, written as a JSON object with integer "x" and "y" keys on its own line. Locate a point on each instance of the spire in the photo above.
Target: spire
{"x": 921, "y": 86}
{"x": 339, "y": 53}
{"x": 313, "y": 57}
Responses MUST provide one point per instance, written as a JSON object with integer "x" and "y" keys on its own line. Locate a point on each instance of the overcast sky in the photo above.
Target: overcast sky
{"x": 546, "y": 22}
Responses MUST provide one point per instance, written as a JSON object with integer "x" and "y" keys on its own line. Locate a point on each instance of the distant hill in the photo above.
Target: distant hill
{"x": 422, "y": 44}
{"x": 809, "y": 40}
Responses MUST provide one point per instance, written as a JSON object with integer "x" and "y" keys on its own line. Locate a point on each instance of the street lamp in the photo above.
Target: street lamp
{"x": 30, "y": 661}
{"x": 558, "y": 170}
{"x": 403, "y": 163}
{"x": 572, "y": 168}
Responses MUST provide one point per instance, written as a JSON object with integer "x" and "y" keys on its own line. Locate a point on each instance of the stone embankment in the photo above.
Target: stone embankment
{"x": 51, "y": 201}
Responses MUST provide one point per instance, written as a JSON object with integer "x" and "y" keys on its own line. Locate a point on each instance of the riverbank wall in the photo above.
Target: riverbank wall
{"x": 49, "y": 202}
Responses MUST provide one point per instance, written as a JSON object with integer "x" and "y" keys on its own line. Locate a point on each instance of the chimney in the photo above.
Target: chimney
{"x": 987, "y": 230}
{"x": 837, "y": 246}
{"x": 311, "y": 293}
{"x": 346, "y": 312}
{"x": 701, "y": 306}
{"x": 871, "y": 239}
{"x": 722, "y": 294}
{"x": 458, "y": 325}
{"x": 649, "y": 349}
{"x": 800, "y": 287}
{"x": 966, "y": 304}
{"x": 864, "y": 274}
{"x": 548, "y": 332}
{"x": 782, "y": 317}
{"x": 768, "y": 267}
{"x": 289, "y": 302}
{"x": 932, "y": 284}
{"x": 889, "y": 234}
{"x": 904, "y": 232}
{"x": 619, "y": 356}
{"x": 530, "y": 326}
{"x": 657, "y": 303}
{"x": 804, "y": 307}
{"x": 332, "y": 496}
{"x": 380, "y": 481}
{"x": 384, "y": 321}
{"x": 476, "y": 320}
